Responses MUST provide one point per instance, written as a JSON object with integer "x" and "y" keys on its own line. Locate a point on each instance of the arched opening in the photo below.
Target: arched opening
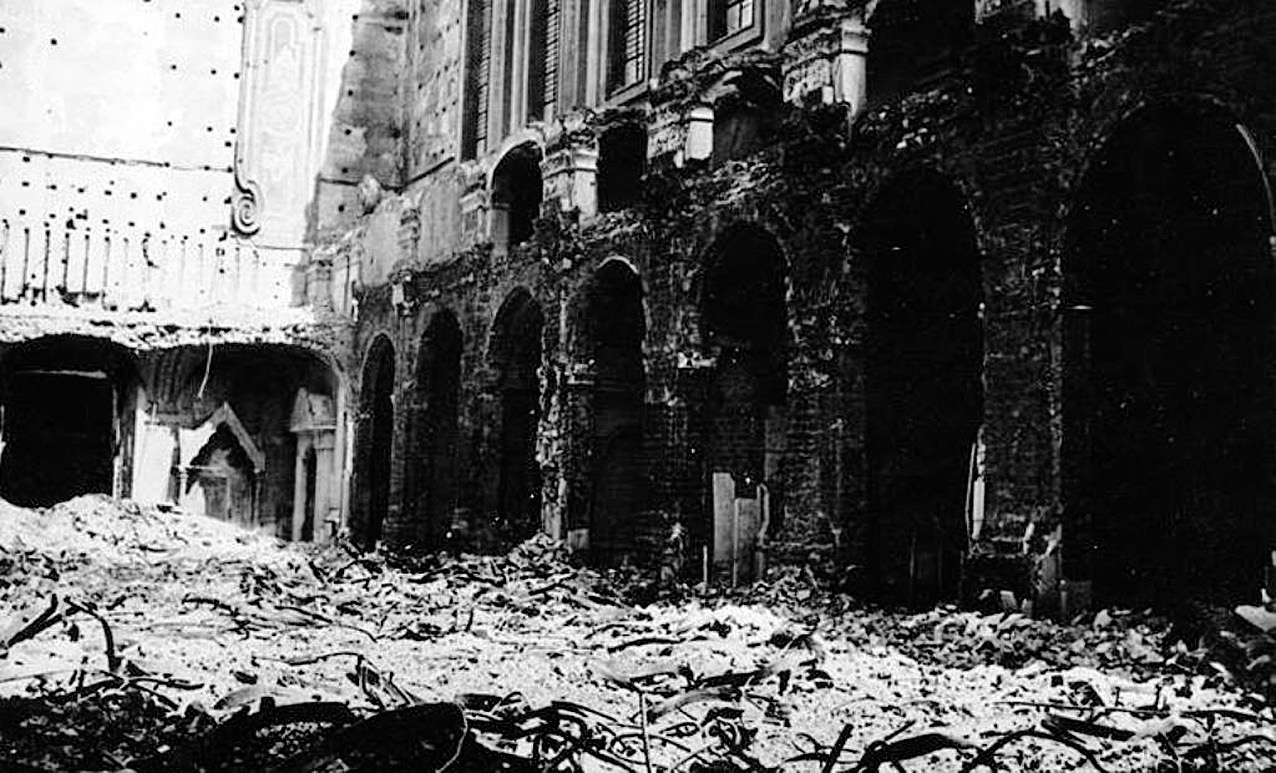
{"x": 924, "y": 392}
{"x": 622, "y": 160}
{"x": 516, "y": 359}
{"x": 617, "y": 326}
{"x": 746, "y": 326}
{"x": 63, "y": 405}
{"x": 1168, "y": 399}
{"x": 225, "y": 476}
{"x": 516, "y": 196}
{"x": 431, "y": 478}
{"x": 376, "y": 440}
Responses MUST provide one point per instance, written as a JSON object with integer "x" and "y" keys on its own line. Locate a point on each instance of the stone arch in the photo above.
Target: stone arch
{"x": 1168, "y": 400}
{"x": 614, "y": 328}
{"x": 514, "y": 356}
{"x": 923, "y": 382}
{"x": 517, "y": 191}
{"x": 374, "y": 443}
{"x": 67, "y": 401}
{"x": 430, "y": 480}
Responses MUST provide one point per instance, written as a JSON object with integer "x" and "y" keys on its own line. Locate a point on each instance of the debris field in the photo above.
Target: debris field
{"x": 134, "y": 638}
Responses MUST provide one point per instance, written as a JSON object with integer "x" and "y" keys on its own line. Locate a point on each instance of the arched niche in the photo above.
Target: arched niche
{"x": 431, "y": 476}
{"x": 515, "y": 359}
{"x": 923, "y": 383}
{"x": 1169, "y": 417}
{"x": 374, "y": 442}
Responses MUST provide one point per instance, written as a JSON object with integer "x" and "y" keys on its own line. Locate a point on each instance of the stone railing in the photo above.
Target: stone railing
{"x": 46, "y": 264}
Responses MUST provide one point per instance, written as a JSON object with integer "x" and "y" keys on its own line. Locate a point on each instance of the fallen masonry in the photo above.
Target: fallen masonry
{"x": 148, "y": 640}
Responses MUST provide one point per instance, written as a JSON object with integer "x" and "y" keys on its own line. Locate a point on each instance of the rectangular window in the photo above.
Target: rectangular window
{"x": 477, "y": 45}
{"x": 727, "y": 17}
{"x": 626, "y": 43}
{"x": 537, "y": 60}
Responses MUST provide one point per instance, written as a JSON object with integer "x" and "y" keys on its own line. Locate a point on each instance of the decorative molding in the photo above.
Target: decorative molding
{"x": 245, "y": 207}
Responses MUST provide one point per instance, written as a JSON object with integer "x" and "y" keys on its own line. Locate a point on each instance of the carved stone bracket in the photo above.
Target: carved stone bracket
{"x": 826, "y": 58}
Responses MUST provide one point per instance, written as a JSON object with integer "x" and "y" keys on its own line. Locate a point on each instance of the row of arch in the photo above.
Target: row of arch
{"x": 1168, "y": 399}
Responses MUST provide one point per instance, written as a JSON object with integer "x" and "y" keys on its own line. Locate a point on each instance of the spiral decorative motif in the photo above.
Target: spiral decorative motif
{"x": 245, "y": 208}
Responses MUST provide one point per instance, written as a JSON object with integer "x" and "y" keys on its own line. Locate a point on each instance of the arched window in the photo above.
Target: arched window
{"x": 516, "y": 196}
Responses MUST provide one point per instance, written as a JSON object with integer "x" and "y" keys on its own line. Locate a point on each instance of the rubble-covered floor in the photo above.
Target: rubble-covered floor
{"x": 215, "y": 633}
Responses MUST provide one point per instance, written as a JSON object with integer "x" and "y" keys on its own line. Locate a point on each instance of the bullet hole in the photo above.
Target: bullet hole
{"x": 22, "y": 213}
{"x": 353, "y": 52}
{"x": 53, "y": 41}
{"x": 159, "y": 197}
{"x": 201, "y": 230}
{"x": 349, "y": 92}
{"x": 212, "y": 71}
{"x": 235, "y": 76}
{"x": 341, "y": 207}
{"x": 177, "y": 15}
{"x": 205, "y": 198}
{"x": 163, "y": 226}
{"x": 217, "y": 19}
{"x": 26, "y": 159}
{"x": 232, "y": 130}
{"x": 108, "y": 193}
{"x": 348, "y": 132}
{"x": 133, "y": 195}
{"x": 26, "y": 184}
{"x": 131, "y": 224}
{"x": 226, "y": 200}
{"x": 172, "y": 67}
{"x": 208, "y": 129}
{"x": 53, "y": 186}
{"x": 240, "y": 20}
{"x": 345, "y": 170}
{"x": 228, "y": 143}
{"x": 79, "y": 190}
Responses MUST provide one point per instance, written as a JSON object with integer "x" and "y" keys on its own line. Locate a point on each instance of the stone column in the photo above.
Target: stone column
{"x": 325, "y": 443}
{"x": 299, "y": 486}
{"x": 570, "y": 167}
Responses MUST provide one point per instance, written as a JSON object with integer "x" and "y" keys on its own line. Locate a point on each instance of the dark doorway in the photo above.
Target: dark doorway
{"x": 622, "y": 161}
{"x": 617, "y": 326}
{"x": 431, "y": 478}
{"x": 516, "y": 358}
{"x": 924, "y": 392}
{"x": 1169, "y": 342}
{"x": 58, "y": 437}
{"x": 62, "y": 399}
{"x": 376, "y": 439}
{"x": 516, "y": 196}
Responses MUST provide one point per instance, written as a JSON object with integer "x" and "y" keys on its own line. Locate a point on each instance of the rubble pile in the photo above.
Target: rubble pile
{"x": 135, "y": 638}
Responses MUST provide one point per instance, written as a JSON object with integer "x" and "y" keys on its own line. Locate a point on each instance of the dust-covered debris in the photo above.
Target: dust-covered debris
{"x": 131, "y": 637}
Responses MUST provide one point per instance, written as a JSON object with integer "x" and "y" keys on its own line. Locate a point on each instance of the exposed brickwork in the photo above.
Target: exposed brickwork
{"x": 1012, "y": 125}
